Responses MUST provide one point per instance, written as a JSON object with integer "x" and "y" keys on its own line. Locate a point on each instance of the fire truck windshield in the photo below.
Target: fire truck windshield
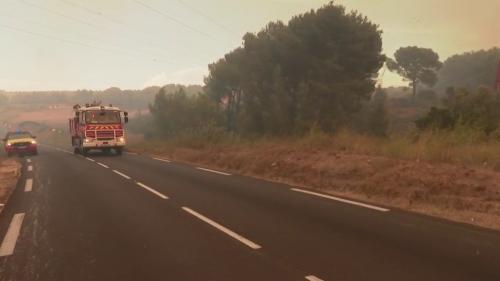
{"x": 102, "y": 117}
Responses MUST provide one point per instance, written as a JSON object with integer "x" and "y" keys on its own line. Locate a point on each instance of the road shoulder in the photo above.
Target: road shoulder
{"x": 10, "y": 171}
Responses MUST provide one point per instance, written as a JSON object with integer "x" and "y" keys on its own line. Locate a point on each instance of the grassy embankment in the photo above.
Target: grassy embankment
{"x": 9, "y": 173}
{"x": 451, "y": 175}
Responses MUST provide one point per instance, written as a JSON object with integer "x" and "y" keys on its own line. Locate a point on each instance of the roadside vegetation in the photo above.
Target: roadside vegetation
{"x": 9, "y": 173}
{"x": 299, "y": 103}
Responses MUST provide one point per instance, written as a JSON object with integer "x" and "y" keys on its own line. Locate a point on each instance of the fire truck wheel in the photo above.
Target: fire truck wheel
{"x": 119, "y": 151}
{"x": 76, "y": 150}
{"x": 106, "y": 150}
{"x": 84, "y": 151}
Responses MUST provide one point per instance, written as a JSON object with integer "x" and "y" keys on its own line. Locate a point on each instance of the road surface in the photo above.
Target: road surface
{"x": 139, "y": 218}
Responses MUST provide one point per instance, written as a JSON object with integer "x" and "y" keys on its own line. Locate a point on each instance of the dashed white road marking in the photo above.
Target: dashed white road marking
{"x": 152, "y": 190}
{"x": 227, "y": 231}
{"x": 30, "y": 168}
{"x": 10, "y": 239}
{"x": 102, "y": 165}
{"x": 313, "y": 278}
{"x": 131, "y": 153}
{"x": 213, "y": 171}
{"x": 342, "y": 200}
{"x": 163, "y": 160}
{"x": 90, "y": 159}
{"x": 28, "y": 160}
{"x": 28, "y": 186}
{"x": 121, "y": 174}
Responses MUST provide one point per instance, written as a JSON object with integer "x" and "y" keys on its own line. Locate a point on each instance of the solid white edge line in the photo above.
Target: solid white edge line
{"x": 227, "y": 231}
{"x": 30, "y": 168}
{"x": 313, "y": 278}
{"x": 121, "y": 174}
{"x": 131, "y": 153}
{"x": 10, "y": 239}
{"x": 102, "y": 165}
{"x": 28, "y": 186}
{"x": 90, "y": 159}
{"x": 152, "y": 190}
{"x": 342, "y": 200}
{"x": 163, "y": 160}
{"x": 213, "y": 171}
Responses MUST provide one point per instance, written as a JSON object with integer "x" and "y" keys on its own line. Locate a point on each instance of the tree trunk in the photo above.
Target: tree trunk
{"x": 414, "y": 88}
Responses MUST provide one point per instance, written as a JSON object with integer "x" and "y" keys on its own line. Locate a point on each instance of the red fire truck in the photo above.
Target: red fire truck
{"x": 98, "y": 127}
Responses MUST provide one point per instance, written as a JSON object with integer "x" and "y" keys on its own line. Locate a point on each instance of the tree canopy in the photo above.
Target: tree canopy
{"x": 469, "y": 70}
{"x": 417, "y": 65}
{"x": 314, "y": 71}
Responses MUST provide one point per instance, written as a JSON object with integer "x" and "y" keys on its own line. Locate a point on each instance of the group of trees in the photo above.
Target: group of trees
{"x": 314, "y": 72}
{"x": 179, "y": 112}
{"x": 477, "y": 110}
{"x": 318, "y": 71}
{"x": 469, "y": 70}
{"x": 469, "y": 100}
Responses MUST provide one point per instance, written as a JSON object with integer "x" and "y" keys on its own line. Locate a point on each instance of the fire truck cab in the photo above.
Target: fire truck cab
{"x": 98, "y": 127}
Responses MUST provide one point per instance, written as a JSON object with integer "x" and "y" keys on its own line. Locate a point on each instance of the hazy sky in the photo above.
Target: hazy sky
{"x": 95, "y": 44}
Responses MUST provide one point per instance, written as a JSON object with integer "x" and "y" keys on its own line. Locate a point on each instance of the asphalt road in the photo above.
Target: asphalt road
{"x": 138, "y": 218}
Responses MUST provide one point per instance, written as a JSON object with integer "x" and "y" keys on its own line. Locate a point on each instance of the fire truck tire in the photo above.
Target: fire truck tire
{"x": 84, "y": 151}
{"x": 119, "y": 150}
{"x": 76, "y": 150}
{"x": 106, "y": 150}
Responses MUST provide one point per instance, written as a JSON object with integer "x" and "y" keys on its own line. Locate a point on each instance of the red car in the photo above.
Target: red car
{"x": 20, "y": 143}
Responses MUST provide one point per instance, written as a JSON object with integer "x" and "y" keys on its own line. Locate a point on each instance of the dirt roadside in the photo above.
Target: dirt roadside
{"x": 459, "y": 193}
{"x": 9, "y": 174}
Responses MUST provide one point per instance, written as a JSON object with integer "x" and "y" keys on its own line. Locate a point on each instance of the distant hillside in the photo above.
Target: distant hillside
{"x": 127, "y": 99}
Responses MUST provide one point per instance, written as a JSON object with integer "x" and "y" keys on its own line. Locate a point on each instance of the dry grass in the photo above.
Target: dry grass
{"x": 9, "y": 173}
{"x": 435, "y": 174}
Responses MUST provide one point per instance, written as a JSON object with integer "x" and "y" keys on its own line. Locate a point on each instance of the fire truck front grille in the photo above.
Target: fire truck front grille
{"x": 90, "y": 134}
{"x": 119, "y": 133}
{"x": 105, "y": 135}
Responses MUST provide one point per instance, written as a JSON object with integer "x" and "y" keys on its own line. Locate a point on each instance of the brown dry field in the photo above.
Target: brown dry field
{"x": 456, "y": 192}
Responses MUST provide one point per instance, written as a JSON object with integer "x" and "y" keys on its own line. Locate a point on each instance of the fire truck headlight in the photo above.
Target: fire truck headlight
{"x": 9, "y": 144}
{"x": 33, "y": 142}
{"x": 121, "y": 139}
{"x": 88, "y": 140}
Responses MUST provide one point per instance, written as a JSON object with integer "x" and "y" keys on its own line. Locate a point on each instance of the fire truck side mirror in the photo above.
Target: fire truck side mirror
{"x": 126, "y": 119}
